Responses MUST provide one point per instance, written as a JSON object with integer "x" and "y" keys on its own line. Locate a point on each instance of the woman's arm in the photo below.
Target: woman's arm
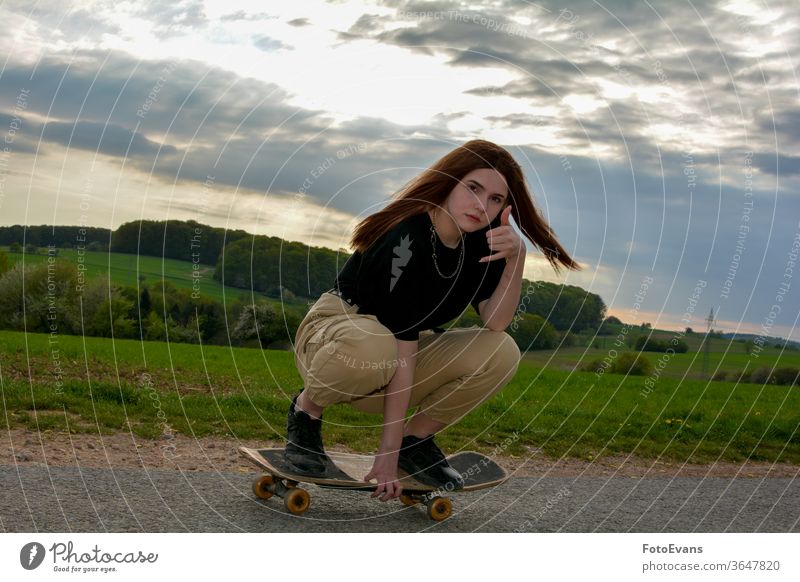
{"x": 395, "y": 405}
{"x": 497, "y": 312}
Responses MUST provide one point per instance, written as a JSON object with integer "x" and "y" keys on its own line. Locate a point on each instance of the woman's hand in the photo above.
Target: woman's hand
{"x": 384, "y": 469}
{"x": 395, "y": 404}
{"x": 503, "y": 239}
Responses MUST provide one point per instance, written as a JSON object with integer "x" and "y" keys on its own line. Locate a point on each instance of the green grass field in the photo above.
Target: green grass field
{"x": 151, "y": 387}
{"x": 723, "y": 355}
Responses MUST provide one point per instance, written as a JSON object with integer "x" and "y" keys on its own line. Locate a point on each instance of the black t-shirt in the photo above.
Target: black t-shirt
{"x": 396, "y": 279}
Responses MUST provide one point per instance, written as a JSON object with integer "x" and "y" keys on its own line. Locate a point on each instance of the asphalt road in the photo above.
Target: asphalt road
{"x": 60, "y": 499}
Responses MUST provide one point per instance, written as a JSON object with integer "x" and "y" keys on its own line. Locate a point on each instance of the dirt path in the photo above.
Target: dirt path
{"x": 123, "y": 450}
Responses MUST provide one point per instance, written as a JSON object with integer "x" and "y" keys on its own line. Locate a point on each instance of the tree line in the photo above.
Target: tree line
{"x": 60, "y": 236}
{"x": 53, "y": 298}
{"x": 172, "y": 239}
{"x": 268, "y": 265}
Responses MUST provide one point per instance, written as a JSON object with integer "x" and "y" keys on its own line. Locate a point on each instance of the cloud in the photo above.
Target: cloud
{"x": 173, "y": 17}
{"x": 777, "y": 165}
{"x": 186, "y": 98}
{"x": 57, "y": 21}
{"x": 111, "y": 140}
{"x": 692, "y": 71}
{"x": 266, "y": 43}
{"x": 298, "y": 22}
{"x": 243, "y": 15}
{"x": 366, "y": 24}
{"x": 205, "y": 122}
{"x": 233, "y": 16}
{"x": 785, "y": 122}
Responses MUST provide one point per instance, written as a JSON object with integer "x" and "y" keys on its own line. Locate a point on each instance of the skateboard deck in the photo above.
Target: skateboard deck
{"x": 347, "y": 471}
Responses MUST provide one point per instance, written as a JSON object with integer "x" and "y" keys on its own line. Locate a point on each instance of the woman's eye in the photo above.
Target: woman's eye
{"x": 497, "y": 199}
{"x": 472, "y": 187}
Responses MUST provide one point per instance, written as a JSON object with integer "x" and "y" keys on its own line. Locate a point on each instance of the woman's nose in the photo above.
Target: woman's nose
{"x": 479, "y": 207}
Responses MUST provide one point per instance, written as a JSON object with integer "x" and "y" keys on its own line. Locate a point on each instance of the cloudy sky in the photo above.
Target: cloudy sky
{"x": 660, "y": 138}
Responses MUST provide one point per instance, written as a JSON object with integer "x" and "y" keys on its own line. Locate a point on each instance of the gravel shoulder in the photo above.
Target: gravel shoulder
{"x": 25, "y": 448}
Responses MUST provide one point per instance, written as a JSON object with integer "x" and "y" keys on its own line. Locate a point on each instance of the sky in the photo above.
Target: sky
{"x": 659, "y": 138}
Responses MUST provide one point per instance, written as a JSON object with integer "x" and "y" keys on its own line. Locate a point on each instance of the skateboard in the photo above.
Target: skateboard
{"x": 348, "y": 472}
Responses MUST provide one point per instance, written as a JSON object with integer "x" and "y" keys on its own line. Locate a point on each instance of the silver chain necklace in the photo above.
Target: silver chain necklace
{"x": 436, "y": 264}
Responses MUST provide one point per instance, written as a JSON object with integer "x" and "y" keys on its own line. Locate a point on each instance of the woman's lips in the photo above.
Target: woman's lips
{"x": 474, "y": 218}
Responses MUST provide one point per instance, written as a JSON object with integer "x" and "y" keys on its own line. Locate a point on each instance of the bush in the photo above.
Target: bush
{"x": 259, "y": 321}
{"x": 786, "y": 376}
{"x": 629, "y": 363}
{"x": 5, "y": 263}
{"x": 643, "y": 344}
{"x": 11, "y": 299}
{"x": 680, "y": 346}
{"x": 596, "y": 366}
{"x": 761, "y": 375}
{"x": 155, "y": 330}
{"x": 610, "y": 326}
{"x": 103, "y": 305}
{"x": 159, "y": 329}
{"x": 632, "y": 364}
{"x": 532, "y": 332}
{"x": 97, "y": 247}
{"x": 720, "y": 376}
{"x": 49, "y": 294}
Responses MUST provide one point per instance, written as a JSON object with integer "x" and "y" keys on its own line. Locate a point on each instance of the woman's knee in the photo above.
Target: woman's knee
{"x": 508, "y": 351}
{"x": 505, "y": 354}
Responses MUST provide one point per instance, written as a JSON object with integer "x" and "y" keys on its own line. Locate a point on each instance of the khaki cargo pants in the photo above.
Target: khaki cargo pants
{"x": 347, "y": 357}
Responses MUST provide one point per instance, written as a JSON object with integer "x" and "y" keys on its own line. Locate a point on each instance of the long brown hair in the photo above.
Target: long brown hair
{"x": 431, "y": 188}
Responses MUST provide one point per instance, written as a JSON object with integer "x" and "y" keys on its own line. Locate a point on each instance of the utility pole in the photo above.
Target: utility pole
{"x": 707, "y": 342}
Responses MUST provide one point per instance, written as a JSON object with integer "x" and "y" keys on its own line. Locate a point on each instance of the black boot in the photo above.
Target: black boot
{"x": 423, "y": 460}
{"x": 304, "y": 452}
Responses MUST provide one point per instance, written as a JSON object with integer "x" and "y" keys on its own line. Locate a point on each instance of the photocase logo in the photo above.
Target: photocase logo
{"x": 31, "y": 555}
{"x": 402, "y": 256}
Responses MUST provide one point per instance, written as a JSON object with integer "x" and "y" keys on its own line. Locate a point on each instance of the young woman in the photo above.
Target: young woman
{"x": 373, "y": 341}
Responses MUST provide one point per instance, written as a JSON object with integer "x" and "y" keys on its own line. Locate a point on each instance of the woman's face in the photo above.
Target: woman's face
{"x": 477, "y": 199}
